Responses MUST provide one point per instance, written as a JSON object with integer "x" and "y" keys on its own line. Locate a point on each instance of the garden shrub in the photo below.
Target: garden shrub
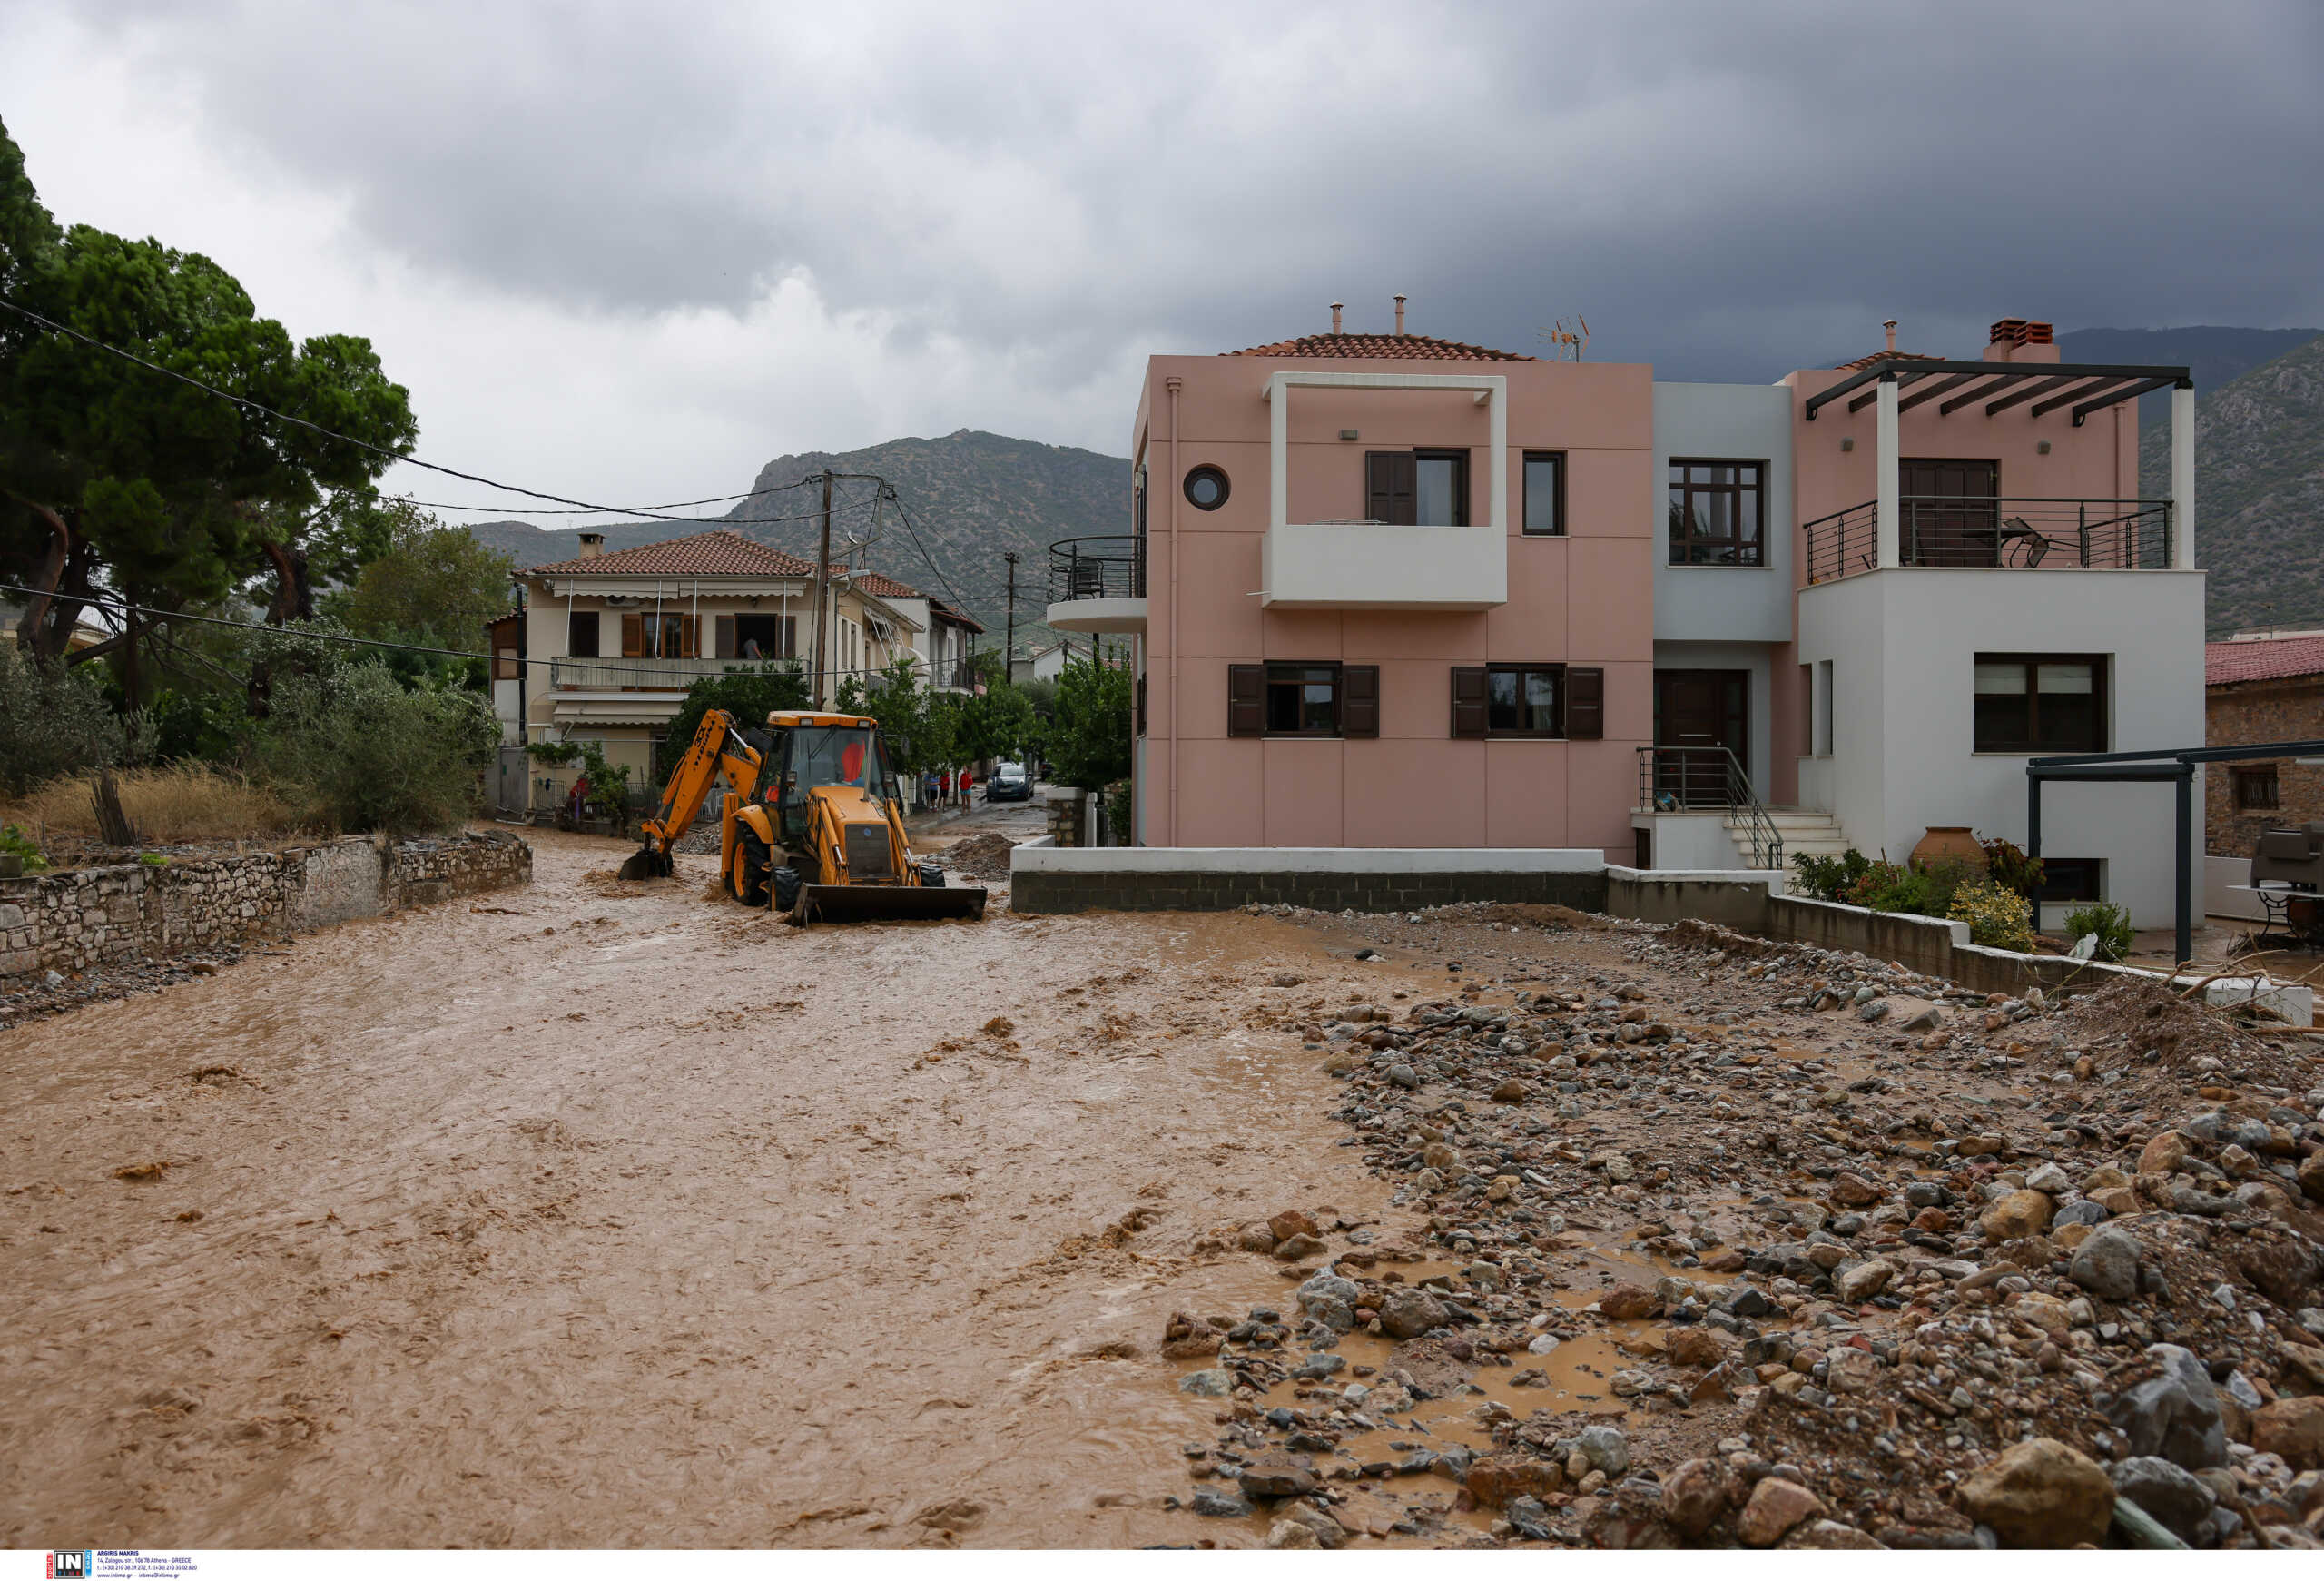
{"x": 1998, "y": 916}
{"x": 355, "y": 751}
{"x": 2110, "y": 922}
{"x": 54, "y": 720}
{"x": 608, "y": 793}
{"x": 1828, "y": 877}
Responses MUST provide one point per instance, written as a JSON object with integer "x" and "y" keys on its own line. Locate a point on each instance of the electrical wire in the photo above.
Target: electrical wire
{"x": 911, "y": 527}
{"x": 249, "y": 405}
{"x": 631, "y": 510}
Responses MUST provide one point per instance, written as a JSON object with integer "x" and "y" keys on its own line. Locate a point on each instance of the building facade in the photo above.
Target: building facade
{"x": 1389, "y": 590}
{"x": 2262, "y": 690}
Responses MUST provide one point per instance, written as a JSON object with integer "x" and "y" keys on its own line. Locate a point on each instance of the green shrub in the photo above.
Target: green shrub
{"x": 15, "y": 842}
{"x": 2008, "y": 866}
{"x": 1888, "y": 886}
{"x": 749, "y": 691}
{"x": 1121, "y": 815}
{"x": 1997, "y": 916}
{"x": 54, "y": 720}
{"x": 356, "y": 751}
{"x": 608, "y": 793}
{"x": 1828, "y": 877}
{"x": 2110, "y": 922}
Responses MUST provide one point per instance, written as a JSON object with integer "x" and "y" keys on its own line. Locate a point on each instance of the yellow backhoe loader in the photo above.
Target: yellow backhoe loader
{"x": 812, "y": 826}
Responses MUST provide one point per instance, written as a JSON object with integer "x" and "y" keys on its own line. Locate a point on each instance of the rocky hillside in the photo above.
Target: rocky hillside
{"x": 2259, "y": 491}
{"x": 972, "y": 496}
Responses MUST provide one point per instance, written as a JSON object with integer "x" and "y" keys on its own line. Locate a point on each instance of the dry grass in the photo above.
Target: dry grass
{"x": 179, "y": 804}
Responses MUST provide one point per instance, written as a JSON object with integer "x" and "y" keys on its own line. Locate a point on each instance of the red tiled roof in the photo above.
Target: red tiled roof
{"x": 879, "y": 584}
{"x": 720, "y": 553}
{"x": 1418, "y": 348}
{"x": 2268, "y": 659}
{"x": 943, "y": 611}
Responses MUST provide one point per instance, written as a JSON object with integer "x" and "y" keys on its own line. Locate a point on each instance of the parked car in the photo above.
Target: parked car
{"x": 1009, "y": 783}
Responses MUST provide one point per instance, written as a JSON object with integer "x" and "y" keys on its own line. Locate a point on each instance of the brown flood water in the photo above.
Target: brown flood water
{"x": 592, "y": 1214}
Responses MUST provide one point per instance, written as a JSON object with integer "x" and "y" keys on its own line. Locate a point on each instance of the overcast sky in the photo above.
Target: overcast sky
{"x": 630, "y": 252}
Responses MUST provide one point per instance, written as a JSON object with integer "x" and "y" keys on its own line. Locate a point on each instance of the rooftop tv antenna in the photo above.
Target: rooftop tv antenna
{"x": 1568, "y": 345}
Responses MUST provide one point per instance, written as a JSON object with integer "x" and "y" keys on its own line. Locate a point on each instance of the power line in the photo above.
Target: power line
{"x": 627, "y": 509}
{"x": 249, "y": 405}
{"x": 174, "y": 614}
{"x": 912, "y": 528}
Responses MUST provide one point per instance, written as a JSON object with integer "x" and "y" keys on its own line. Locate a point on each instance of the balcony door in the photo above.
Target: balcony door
{"x": 1701, "y": 710}
{"x": 1952, "y": 512}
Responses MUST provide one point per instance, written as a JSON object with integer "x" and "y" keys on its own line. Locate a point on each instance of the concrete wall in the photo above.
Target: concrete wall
{"x": 1740, "y": 422}
{"x": 73, "y": 920}
{"x": 1047, "y": 880}
{"x": 1582, "y": 599}
{"x": 1904, "y": 759}
{"x": 1698, "y": 842}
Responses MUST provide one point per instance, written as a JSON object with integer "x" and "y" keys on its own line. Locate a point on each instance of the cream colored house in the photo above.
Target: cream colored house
{"x": 610, "y": 642}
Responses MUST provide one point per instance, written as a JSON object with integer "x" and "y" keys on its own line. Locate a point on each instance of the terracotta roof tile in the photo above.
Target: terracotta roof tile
{"x": 879, "y": 584}
{"x": 2268, "y": 659}
{"x": 1417, "y": 348}
{"x": 720, "y": 553}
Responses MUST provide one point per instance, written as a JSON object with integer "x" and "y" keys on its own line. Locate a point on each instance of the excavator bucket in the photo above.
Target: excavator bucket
{"x": 646, "y": 862}
{"x": 883, "y": 902}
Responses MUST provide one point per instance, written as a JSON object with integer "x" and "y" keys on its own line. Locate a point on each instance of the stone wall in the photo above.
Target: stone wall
{"x": 2247, "y": 711}
{"x": 71, "y": 921}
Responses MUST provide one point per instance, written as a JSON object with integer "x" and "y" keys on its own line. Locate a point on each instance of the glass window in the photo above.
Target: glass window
{"x": 1303, "y": 699}
{"x": 2039, "y": 703}
{"x": 1718, "y": 513}
{"x": 2255, "y": 789}
{"x": 1206, "y": 488}
{"x": 1440, "y": 488}
{"x": 1545, "y": 492}
{"x": 1522, "y": 700}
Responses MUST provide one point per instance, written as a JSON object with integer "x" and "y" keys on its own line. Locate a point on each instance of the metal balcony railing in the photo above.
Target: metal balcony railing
{"x": 1684, "y": 779}
{"x": 2011, "y": 534}
{"x": 649, "y": 675}
{"x": 1097, "y": 567}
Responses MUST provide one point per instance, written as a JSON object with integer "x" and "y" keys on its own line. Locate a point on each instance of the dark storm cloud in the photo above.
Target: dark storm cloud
{"x": 1727, "y": 191}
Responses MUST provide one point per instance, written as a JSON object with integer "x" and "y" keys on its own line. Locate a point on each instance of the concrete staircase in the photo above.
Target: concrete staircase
{"x": 1803, "y": 829}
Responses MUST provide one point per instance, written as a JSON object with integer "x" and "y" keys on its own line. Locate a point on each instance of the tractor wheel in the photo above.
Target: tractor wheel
{"x": 786, "y": 888}
{"x": 753, "y": 862}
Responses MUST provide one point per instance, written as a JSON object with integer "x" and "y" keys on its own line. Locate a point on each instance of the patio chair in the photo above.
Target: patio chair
{"x": 2015, "y": 531}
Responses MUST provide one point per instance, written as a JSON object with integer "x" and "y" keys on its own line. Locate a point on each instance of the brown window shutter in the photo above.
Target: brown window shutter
{"x": 1247, "y": 699}
{"x": 790, "y": 637}
{"x": 726, "y": 635}
{"x": 1359, "y": 699}
{"x": 1388, "y": 482}
{"x": 1585, "y": 705}
{"x": 633, "y": 635}
{"x": 1468, "y": 701}
{"x": 689, "y": 634}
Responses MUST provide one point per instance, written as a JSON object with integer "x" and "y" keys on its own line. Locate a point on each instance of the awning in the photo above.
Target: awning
{"x": 629, "y": 708}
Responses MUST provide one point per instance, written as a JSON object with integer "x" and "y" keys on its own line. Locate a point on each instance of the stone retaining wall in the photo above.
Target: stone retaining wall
{"x": 71, "y": 921}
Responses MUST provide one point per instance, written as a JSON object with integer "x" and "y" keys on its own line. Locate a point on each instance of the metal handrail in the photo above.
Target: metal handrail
{"x": 1683, "y": 778}
{"x": 2011, "y": 532}
{"x": 1097, "y": 567}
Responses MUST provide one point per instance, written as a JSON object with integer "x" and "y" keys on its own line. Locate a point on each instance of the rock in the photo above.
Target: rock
{"x": 1619, "y": 1168}
{"x": 2015, "y": 1216}
{"x": 1511, "y": 1091}
{"x": 2171, "y": 1493}
{"x": 1605, "y": 1448}
{"x": 1211, "y": 1383}
{"x": 1874, "y": 1010}
{"x": 1776, "y": 1506}
{"x": 2045, "y": 1312}
{"x": 1407, "y": 1313}
{"x": 1298, "y": 1247}
{"x": 1694, "y": 1496}
{"x": 1292, "y": 1533}
{"x": 2107, "y": 1264}
{"x": 1255, "y": 1237}
{"x": 2084, "y": 1212}
{"x": 1851, "y": 1371}
{"x": 1442, "y": 1157}
{"x": 1494, "y": 1482}
{"x": 2040, "y": 1494}
{"x": 2176, "y": 1414}
{"x": 1864, "y": 1280}
{"x": 1275, "y": 1476}
{"x": 1291, "y": 1221}
{"x": 1854, "y": 1191}
{"x": 1927, "y": 1018}
{"x": 1210, "y": 1501}
{"x": 1696, "y": 1346}
{"x": 2164, "y": 1153}
{"x": 1404, "y": 1076}
{"x": 1502, "y": 1190}
{"x": 2293, "y": 1428}
{"x": 2049, "y": 1178}
{"x": 1329, "y": 1533}
{"x": 2117, "y": 1200}
{"x": 2311, "y": 1176}
{"x": 1832, "y": 1535}
{"x": 1626, "y": 1300}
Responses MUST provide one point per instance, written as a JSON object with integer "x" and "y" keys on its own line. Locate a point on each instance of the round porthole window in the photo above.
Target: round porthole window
{"x": 1205, "y": 488}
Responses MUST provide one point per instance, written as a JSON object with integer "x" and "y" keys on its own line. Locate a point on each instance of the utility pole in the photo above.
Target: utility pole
{"x": 1008, "y": 655}
{"x": 822, "y": 593}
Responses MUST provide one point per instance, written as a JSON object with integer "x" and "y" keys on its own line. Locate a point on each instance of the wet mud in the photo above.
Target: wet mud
{"x": 604, "y": 1214}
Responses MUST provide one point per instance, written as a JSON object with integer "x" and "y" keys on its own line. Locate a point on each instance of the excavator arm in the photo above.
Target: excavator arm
{"x": 717, "y": 749}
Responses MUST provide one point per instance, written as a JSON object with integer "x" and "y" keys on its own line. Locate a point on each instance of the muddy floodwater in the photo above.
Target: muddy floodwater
{"x": 592, "y": 1213}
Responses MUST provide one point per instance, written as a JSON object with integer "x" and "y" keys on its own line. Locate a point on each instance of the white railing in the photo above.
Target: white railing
{"x": 633, "y": 675}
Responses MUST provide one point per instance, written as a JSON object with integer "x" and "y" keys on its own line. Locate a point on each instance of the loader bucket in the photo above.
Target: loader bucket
{"x": 646, "y": 862}
{"x": 882, "y": 903}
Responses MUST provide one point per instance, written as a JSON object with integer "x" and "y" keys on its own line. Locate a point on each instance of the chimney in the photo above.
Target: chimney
{"x": 1400, "y": 312}
{"x": 2020, "y": 340}
{"x": 1335, "y": 316}
{"x": 1890, "y": 325}
{"x": 593, "y": 544}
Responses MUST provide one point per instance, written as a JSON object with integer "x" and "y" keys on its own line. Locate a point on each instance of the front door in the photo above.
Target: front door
{"x": 1696, "y": 712}
{"x": 1952, "y": 516}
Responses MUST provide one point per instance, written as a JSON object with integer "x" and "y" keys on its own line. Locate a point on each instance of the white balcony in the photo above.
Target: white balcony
{"x": 1371, "y": 565}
